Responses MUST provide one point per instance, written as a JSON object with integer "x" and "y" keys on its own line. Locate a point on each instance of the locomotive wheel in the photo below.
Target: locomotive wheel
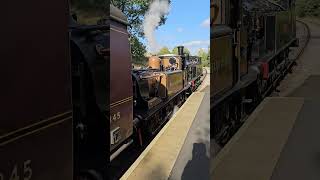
{"x": 235, "y": 114}
{"x": 224, "y": 136}
{"x": 229, "y": 125}
{"x": 227, "y": 113}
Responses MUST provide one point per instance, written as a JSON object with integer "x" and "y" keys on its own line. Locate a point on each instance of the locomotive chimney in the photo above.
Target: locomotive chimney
{"x": 187, "y": 56}
{"x": 183, "y": 57}
{"x": 180, "y": 50}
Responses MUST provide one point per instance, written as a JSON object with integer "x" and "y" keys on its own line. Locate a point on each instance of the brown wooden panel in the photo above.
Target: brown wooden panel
{"x": 34, "y": 74}
{"x": 120, "y": 82}
{"x": 45, "y": 153}
{"x": 35, "y": 107}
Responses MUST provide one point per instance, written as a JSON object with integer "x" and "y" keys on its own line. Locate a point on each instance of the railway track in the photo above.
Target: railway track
{"x": 205, "y": 74}
{"x": 307, "y": 39}
{"x": 202, "y": 79}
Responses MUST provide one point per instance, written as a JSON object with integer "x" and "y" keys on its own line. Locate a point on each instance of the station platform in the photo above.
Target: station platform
{"x": 169, "y": 154}
{"x": 278, "y": 141}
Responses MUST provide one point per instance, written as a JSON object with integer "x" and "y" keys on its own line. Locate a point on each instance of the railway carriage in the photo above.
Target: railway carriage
{"x": 36, "y": 108}
{"x": 60, "y": 130}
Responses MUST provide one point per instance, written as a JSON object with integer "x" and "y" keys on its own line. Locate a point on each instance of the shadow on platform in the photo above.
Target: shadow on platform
{"x": 198, "y": 166}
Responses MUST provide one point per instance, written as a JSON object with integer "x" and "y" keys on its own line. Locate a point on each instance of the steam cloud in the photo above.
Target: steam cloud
{"x": 152, "y": 19}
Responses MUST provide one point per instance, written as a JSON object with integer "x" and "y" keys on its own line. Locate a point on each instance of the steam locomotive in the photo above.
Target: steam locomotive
{"x": 57, "y": 104}
{"x": 143, "y": 100}
{"x": 251, "y": 41}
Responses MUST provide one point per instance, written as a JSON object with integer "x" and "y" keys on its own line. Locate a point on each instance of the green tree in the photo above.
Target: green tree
{"x": 135, "y": 10}
{"x": 308, "y": 8}
{"x": 89, "y": 11}
{"x": 204, "y": 57}
{"x": 209, "y": 59}
{"x": 164, "y": 50}
{"x": 139, "y": 51}
{"x": 175, "y": 50}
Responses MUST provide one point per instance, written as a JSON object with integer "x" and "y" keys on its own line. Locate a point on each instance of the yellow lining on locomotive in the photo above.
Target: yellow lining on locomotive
{"x": 118, "y": 31}
{"x": 36, "y": 130}
{"x": 34, "y": 124}
{"x": 121, "y": 101}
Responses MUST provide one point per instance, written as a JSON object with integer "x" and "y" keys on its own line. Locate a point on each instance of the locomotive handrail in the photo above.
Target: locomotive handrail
{"x": 85, "y": 28}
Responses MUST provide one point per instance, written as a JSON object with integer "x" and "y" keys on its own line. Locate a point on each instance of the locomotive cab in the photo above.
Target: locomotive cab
{"x": 121, "y": 99}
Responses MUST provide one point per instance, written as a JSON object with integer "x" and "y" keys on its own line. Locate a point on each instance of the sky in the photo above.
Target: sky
{"x": 187, "y": 24}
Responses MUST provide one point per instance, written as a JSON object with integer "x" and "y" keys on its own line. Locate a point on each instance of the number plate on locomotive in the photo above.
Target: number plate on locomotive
{"x": 115, "y": 135}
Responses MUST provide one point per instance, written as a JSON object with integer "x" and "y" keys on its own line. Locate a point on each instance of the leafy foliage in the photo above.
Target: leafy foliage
{"x": 175, "y": 50}
{"x": 138, "y": 51}
{"x": 89, "y": 11}
{"x": 135, "y": 10}
{"x": 164, "y": 50}
{"x": 204, "y": 57}
{"x": 308, "y": 8}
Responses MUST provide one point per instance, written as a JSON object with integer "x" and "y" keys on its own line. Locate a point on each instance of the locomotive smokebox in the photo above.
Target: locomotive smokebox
{"x": 180, "y": 50}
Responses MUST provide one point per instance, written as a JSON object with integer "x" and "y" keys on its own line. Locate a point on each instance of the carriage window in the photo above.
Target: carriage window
{"x": 89, "y": 12}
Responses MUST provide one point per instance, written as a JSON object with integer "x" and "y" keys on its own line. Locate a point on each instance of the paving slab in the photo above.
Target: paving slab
{"x": 158, "y": 159}
{"x": 255, "y": 149}
{"x": 194, "y": 158}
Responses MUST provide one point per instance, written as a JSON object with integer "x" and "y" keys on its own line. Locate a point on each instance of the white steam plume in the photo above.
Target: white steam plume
{"x": 152, "y": 18}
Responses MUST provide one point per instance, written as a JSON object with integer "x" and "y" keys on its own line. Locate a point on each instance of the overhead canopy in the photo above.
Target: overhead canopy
{"x": 284, "y": 3}
{"x": 261, "y": 6}
{"x": 117, "y": 15}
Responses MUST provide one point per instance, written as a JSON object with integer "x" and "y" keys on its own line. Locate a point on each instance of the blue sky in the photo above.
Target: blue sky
{"x": 187, "y": 24}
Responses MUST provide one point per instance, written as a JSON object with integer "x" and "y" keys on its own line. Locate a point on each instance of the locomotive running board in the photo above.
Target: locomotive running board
{"x": 118, "y": 151}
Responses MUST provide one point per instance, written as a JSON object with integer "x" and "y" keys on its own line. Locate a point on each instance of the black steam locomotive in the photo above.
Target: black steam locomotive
{"x": 251, "y": 41}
